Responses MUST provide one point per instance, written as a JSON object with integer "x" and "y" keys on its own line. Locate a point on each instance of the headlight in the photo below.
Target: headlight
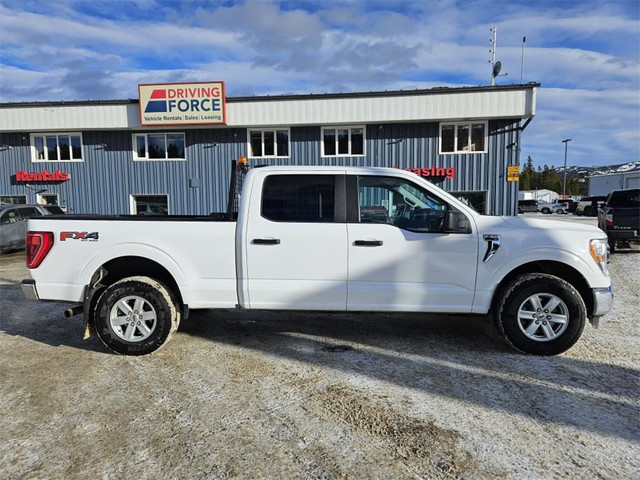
{"x": 599, "y": 250}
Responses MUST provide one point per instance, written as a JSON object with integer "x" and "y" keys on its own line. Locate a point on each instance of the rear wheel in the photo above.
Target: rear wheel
{"x": 612, "y": 245}
{"x": 136, "y": 316}
{"x": 540, "y": 314}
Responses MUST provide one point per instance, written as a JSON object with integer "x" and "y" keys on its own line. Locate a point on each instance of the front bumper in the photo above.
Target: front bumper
{"x": 602, "y": 301}
{"x": 29, "y": 289}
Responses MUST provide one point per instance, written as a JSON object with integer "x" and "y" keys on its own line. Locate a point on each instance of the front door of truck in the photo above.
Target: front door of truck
{"x": 399, "y": 257}
{"x": 297, "y": 244}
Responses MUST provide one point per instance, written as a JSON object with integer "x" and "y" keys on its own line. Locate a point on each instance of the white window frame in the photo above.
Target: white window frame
{"x": 344, "y": 127}
{"x": 44, "y": 135}
{"x": 134, "y": 142}
{"x": 41, "y": 196}
{"x": 469, "y": 124}
{"x": 275, "y": 142}
{"x": 21, "y": 199}
{"x": 133, "y": 200}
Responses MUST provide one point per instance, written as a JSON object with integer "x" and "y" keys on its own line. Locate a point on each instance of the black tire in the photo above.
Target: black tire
{"x": 136, "y": 316}
{"x": 522, "y": 332}
{"x": 589, "y": 212}
{"x": 546, "y": 210}
{"x": 612, "y": 245}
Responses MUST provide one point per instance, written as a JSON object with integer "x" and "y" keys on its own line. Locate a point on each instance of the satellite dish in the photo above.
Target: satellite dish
{"x": 496, "y": 68}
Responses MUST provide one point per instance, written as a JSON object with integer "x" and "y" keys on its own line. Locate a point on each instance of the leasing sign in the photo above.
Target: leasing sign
{"x": 182, "y": 103}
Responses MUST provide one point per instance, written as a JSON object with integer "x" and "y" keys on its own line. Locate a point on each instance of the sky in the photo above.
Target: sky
{"x": 585, "y": 55}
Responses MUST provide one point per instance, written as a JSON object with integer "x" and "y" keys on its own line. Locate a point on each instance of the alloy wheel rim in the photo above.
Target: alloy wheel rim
{"x": 543, "y": 317}
{"x": 133, "y": 318}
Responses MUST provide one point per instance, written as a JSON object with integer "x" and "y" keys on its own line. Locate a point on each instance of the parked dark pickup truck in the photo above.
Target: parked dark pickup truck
{"x": 619, "y": 217}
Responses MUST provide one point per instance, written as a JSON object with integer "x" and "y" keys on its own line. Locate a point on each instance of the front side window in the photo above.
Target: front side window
{"x": 342, "y": 141}
{"x": 474, "y": 199}
{"x": 269, "y": 143}
{"x": 463, "y": 138}
{"x": 399, "y": 202}
{"x": 55, "y": 147}
{"x": 158, "y": 146}
{"x": 299, "y": 198}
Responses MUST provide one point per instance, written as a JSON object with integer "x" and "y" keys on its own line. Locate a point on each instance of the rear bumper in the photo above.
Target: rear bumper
{"x": 623, "y": 234}
{"x": 602, "y": 301}
{"x": 29, "y": 289}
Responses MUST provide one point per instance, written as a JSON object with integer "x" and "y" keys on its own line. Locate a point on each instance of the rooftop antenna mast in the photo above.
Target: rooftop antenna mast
{"x": 495, "y": 66}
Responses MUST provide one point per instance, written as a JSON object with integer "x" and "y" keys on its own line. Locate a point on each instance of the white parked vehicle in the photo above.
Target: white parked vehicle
{"x": 324, "y": 238}
{"x": 556, "y": 207}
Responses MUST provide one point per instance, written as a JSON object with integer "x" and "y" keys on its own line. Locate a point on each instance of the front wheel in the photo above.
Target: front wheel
{"x": 546, "y": 210}
{"x": 136, "y": 316}
{"x": 540, "y": 314}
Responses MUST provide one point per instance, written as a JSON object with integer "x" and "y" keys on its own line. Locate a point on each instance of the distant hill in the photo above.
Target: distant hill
{"x": 582, "y": 172}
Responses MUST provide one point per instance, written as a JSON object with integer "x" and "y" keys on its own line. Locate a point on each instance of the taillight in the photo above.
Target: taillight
{"x": 38, "y": 246}
{"x": 609, "y": 218}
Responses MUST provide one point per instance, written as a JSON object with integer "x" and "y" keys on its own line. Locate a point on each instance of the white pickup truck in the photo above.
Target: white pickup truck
{"x": 324, "y": 238}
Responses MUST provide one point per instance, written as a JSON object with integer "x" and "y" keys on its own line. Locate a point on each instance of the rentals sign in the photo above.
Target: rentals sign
{"x": 182, "y": 103}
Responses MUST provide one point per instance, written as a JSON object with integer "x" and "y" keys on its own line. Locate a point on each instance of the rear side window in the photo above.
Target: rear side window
{"x": 299, "y": 198}
{"x": 28, "y": 212}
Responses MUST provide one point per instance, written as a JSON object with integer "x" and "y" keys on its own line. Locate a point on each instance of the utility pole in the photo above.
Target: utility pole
{"x": 564, "y": 182}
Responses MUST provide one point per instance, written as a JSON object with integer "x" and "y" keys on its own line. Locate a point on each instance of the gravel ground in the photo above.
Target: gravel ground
{"x": 243, "y": 395}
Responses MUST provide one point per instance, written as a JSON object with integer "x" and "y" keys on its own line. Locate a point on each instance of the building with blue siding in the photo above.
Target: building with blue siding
{"x": 100, "y": 157}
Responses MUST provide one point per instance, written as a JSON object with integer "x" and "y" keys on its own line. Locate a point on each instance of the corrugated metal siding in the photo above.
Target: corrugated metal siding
{"x": 108, "y": 176}
{"x": 415, "y": 145}
{"x": 103, "y": 183}
{"x": 492, "y": 103}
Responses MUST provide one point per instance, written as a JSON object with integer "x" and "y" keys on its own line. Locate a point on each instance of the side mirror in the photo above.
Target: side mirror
{"x": 456, "y": 222}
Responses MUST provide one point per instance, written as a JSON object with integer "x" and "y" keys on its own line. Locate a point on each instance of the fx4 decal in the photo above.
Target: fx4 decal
{"x": 84, "y": 236}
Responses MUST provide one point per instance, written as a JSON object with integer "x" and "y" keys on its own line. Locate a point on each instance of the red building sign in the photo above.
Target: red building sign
{"x": 26, "y": 177}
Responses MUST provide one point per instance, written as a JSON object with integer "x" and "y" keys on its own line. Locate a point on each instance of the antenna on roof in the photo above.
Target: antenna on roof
{"x": 495, "y": 66}
{"x": 524, "y": 40}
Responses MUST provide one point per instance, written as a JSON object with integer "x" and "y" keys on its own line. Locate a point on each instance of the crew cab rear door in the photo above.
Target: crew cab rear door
{"x": 399, "y": 257}
{"x": 296, "y": 243}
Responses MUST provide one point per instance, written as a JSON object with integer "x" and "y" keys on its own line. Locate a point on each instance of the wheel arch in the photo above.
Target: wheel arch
{"x": 549, "y": 267}
{"x": 128, "y": 266}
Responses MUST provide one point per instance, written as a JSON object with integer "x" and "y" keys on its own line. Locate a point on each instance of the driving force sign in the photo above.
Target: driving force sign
{"x": 182, "y": 103}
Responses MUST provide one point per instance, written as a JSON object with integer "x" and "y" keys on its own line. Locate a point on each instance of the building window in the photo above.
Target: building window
{"x": 13, "y": 199}
{"x": 47, "y": 198}
{"x": 158, "y": 146}
{"x": 149, "y": 204}
{"x": 342, "y": 141}
{"x": 56, "y": 147}
{"x": 269, "y": 143}
{"x": 463, "y": 137}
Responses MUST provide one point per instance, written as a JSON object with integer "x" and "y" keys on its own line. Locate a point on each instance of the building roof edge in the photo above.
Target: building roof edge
{"x": 307, "y": 96}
